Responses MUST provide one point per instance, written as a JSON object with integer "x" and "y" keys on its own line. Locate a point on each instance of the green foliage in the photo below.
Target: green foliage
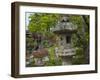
{"x": 29, "y": 44}
{"x": 79, "y": 58}
{"x": 31, "y": 64}
{"x": 42, "y": 22}
{"x": 80, "y": 39}
{"x": 52, "y": 58}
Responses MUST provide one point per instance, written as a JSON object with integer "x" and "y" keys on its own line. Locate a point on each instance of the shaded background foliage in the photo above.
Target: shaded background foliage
{"x": 81, "y": 39}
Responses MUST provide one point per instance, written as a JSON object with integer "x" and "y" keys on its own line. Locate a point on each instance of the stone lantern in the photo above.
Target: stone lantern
{"x": 64, "y": 29}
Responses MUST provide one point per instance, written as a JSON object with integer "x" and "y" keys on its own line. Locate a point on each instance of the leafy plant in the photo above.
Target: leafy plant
{"x": 80, "y": 39}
